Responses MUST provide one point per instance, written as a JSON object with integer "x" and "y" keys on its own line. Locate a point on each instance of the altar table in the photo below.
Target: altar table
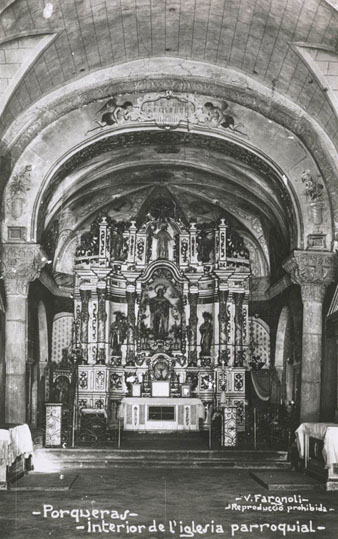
{"x": 161, "y": 413}
{"x": 16, "y": 447}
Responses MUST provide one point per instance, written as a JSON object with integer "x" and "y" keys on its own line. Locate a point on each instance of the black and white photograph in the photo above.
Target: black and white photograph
{"x": 168, "y": 269}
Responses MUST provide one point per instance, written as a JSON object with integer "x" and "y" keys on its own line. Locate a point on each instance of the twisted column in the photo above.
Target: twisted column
{"x": 223, "y": 326}
{"x": 101, "y": 320}
{"x": 131, "y": 301}
{"x": 193, "y": 300}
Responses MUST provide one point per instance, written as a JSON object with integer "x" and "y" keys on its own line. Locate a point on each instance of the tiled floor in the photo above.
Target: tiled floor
{"x": 167, "y": 496}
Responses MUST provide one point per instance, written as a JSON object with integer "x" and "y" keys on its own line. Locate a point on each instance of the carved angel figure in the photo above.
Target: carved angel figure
{"x": 313, "y": 188}
{"x": 112, "y": 113}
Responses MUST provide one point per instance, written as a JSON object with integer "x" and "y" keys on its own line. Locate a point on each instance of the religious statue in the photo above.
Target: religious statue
{"x": 205, "y": 244}
{"x": 61, "y": 390}
{"x": 65, "y": 363}
{"x": 117, "y": 245}
{"x": 118, "y": 333}
{"x": 163, "y": 237}
{"x": 206, "y": 331}
{"x": 159, "y": 308}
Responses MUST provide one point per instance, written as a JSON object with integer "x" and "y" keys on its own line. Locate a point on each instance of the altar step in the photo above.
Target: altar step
{"x": 57, "y": 459}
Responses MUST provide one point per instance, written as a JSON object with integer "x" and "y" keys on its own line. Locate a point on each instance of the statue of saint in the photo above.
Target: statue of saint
{"x": 205, "y": 244}
{"x": 117, "y": 245}
{"x": 61, "y": 390}
{"x": 163, "y": 237}
{"x": 206, "y": 331}
{"x": 159, "y": 308}
{"x": 118, "y": 333}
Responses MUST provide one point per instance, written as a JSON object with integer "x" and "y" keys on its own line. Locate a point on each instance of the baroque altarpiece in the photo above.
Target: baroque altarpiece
{"x": 161, "y": 312}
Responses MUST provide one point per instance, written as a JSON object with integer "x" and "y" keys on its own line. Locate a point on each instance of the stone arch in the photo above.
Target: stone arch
{"x": 279, "y": 110}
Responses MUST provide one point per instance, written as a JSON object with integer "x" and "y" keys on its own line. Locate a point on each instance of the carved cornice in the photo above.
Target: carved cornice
{"x": 309, "y": 268}
{"x": 20, "y": 265}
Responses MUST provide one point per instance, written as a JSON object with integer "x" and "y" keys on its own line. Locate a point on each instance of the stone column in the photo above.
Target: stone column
{"x": 20, "y": 264}
{"x": 313, "y": 272}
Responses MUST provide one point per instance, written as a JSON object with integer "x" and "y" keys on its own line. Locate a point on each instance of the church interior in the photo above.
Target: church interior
{"x": 169, "y": 229}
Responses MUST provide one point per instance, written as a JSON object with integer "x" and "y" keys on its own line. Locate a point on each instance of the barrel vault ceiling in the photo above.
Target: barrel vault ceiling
{"x": 255, "y": 37}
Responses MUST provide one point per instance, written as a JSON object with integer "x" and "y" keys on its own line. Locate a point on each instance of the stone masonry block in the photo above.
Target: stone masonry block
{"x": 12, "y": 44}
{"x": 3, "y": 85}
{"x": 8, "y": 70}
{"x": 15, "y": 56}
{"x": 333, "y": 68}
{"x": 323, "y": 66}
{"x": 333, "y": 81}
{"x": 326, "y": 56}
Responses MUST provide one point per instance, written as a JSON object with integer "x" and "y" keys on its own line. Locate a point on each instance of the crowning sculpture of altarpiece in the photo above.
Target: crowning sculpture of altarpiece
{"x": 160, "y": 320}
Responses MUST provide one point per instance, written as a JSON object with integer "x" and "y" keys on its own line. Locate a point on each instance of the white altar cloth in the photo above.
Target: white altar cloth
{"x": 328, "y": 432}
{"x": 15, "y": 442}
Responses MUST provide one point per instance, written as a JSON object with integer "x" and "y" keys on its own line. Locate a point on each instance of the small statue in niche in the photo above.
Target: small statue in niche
{"x": 65, "y": 363}
{"x": 117, "y": 245}
{"x": 204, "y": 246}
{"x": 192, "y": 380}
{"x": 118, "y": 333}
{"x": 206, "y": 331}
{"x": 130, "y": 359}
{"x": 314, "y": 189}
{"x": 61, "y": 390}
{"x": 190, "y": 335}
{"x": 163, "y": 238}
{"x": 101, "y": 359}
{"x": 159, "y": 308}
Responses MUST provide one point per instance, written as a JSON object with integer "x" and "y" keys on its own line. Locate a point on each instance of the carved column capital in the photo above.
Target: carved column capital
{"x": 20, "y": 265}
{"x": 313, "y": 292}
{"x": 309, "y": 268}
